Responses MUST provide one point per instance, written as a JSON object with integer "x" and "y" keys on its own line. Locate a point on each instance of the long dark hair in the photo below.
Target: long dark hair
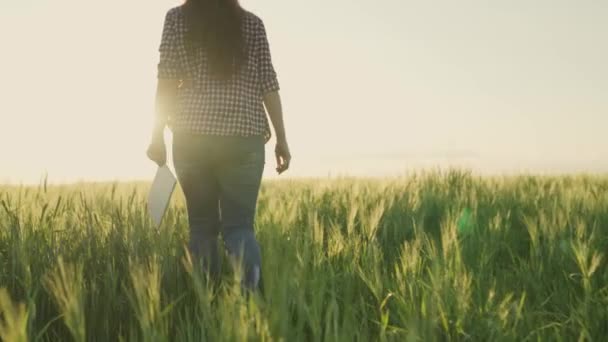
{"x": 215, "y": 26}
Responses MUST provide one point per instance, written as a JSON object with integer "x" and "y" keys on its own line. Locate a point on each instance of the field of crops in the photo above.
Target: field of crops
{"x": 431, "y": 256}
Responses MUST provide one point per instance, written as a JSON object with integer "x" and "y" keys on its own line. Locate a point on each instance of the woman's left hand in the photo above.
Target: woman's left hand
{"x": 157, "y": 152}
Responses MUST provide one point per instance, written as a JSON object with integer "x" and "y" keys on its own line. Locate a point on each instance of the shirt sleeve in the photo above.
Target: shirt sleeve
{"x": 268, "y": 76}
{"x": 169, "y": 65}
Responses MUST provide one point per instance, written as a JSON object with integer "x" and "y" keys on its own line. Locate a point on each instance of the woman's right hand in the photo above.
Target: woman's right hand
{"x": 157, "y": 152}
{"x": 283, "y": 156}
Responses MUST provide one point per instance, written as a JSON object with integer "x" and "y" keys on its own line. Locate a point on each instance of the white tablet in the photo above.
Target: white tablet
{"x": 160, "y": 194}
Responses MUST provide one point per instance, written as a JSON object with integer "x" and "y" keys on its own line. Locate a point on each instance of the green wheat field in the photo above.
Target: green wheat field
{"x": 431, "y": 256}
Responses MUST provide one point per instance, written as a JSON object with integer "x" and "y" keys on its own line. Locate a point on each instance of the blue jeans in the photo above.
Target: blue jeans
{"x": 220, "y": 177}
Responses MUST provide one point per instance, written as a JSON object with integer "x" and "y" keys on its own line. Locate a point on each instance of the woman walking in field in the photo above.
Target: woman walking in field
{"x": 215, "y": 79}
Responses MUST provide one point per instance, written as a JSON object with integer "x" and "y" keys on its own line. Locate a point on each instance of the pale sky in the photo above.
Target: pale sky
{"x": 369, "y": 87}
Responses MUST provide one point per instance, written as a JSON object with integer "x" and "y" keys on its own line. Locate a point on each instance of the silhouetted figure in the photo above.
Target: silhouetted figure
{"x": 215, "y": 79}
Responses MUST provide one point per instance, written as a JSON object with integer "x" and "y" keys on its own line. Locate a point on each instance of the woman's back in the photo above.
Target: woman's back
{"x": 208, "y": 103}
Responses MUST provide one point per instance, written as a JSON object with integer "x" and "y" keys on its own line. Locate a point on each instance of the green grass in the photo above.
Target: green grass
{"x": 344, "y": 260}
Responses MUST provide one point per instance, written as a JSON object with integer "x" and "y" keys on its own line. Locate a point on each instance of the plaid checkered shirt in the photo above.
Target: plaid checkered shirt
{"x": 210, "y": 106}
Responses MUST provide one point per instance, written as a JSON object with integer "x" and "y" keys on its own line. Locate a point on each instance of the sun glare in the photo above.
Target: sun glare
{"x": 415, "y": 89}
